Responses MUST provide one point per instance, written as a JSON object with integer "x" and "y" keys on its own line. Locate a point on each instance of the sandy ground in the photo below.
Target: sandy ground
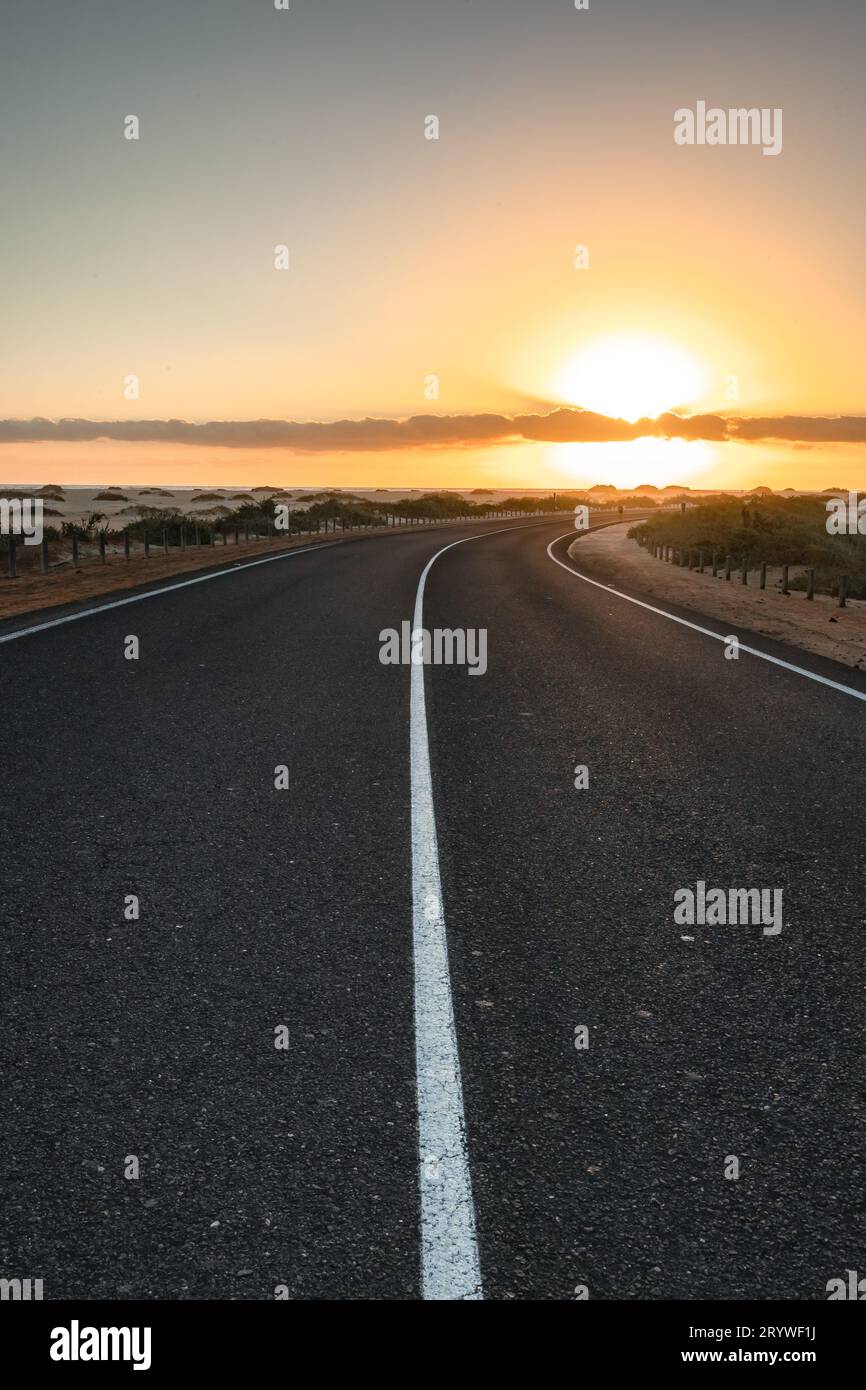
{"x": 818, "y": 626}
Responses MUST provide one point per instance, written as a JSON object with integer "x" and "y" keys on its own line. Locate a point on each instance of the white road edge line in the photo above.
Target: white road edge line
{"x": 753, "y": 651}
{"x": 165, "y": 589}
{"x": 450, "y": 1268}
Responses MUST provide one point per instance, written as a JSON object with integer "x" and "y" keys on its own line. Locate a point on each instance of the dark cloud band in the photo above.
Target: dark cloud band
{"x": 431, "y": 431}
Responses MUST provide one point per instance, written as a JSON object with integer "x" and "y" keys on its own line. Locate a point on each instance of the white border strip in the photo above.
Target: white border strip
{"x": 165, "y": 589}
{"x": 450, "y": 1267}
{"x": 753, "y": 651}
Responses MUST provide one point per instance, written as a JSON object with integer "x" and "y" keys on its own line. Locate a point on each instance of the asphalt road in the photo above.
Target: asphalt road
{"x": 262, "y": 1167}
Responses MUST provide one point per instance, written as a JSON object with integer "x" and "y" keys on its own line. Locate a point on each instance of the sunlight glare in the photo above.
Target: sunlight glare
{"x": 630, "y": 376}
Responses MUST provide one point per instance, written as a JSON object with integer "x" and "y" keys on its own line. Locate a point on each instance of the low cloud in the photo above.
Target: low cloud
{"x": 801, "y": 429}
{"x": 585, "y": 427}
{"x": 432, "y": 431}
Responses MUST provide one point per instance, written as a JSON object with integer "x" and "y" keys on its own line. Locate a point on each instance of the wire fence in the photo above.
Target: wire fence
{"x": 724, "y": 564}
{"x": 53, "y": 555}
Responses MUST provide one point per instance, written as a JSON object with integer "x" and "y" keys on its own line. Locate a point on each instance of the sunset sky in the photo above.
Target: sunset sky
{"x": 411, "y": 257}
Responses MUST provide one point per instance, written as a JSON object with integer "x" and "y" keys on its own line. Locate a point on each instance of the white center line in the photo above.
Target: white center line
{"x": 672, "y": 617}
{"x": 164, "y": 589}
{"x": 450, "y": 1267}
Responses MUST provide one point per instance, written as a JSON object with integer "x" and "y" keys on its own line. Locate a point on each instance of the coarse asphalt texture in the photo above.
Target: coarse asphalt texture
{"x": 603, "y": 1166}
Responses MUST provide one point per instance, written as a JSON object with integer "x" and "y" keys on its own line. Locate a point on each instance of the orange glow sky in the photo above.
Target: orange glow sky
{"x": 411, "y": 257}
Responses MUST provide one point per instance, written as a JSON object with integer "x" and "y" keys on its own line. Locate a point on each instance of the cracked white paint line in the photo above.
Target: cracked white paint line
{"x": 450, "y": 1267}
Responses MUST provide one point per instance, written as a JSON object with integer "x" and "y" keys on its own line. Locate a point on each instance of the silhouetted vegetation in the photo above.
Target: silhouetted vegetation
{"x": 775, "y": 530}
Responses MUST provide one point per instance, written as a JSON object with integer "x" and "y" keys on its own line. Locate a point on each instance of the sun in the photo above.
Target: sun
{"x": 631, "y": 375}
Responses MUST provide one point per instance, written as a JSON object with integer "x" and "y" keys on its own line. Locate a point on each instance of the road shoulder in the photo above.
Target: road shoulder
{"x": 820, "y": 627}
